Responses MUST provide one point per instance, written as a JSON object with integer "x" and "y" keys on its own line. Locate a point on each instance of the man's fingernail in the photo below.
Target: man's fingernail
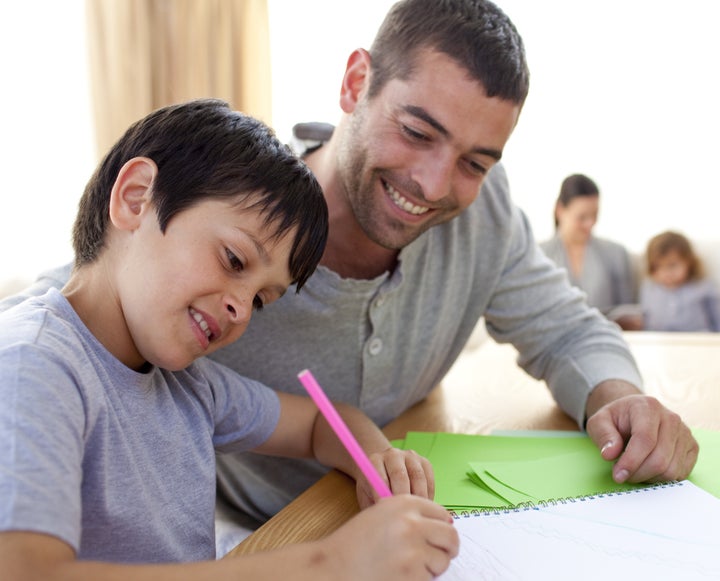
{"x": 621, "y": 476}
{"x": 606, "y": 445}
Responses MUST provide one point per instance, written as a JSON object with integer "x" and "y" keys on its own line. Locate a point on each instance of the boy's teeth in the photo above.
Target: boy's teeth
{"x": 404, "y": 203}
{"x": 200, "y": 321}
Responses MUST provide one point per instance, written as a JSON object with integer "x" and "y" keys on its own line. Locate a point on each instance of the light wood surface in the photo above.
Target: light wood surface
{"x": 486, "y": 391}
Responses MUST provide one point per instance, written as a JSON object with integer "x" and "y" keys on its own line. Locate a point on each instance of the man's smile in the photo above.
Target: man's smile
{"x": 402, "y": 202}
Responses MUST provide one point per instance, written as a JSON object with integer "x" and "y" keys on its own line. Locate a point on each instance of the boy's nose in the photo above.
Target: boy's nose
{"x": 239, "y": 307}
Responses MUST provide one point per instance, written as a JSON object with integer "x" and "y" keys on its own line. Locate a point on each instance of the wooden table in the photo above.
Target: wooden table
{"x": 486, "y": 391}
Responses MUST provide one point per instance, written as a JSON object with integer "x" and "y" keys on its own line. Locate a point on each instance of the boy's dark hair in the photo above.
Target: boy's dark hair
{"x": 574, "y": 186}
{"x": 204, "y": 150}
{"x": 475, "y": 33}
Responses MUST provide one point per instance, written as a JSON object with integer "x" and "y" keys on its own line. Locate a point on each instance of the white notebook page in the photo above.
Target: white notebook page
{"x": 665, "y": 532}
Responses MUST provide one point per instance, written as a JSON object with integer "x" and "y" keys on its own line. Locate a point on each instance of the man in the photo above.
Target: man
{"x": 423, "y": 242}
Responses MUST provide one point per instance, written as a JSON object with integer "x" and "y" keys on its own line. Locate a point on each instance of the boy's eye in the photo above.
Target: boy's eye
{"x": 234, "y": 262}
{"x": 258, "y": 303}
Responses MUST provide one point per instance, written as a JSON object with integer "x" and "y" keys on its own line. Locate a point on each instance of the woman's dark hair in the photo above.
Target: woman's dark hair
{"x": 572, "y": 187}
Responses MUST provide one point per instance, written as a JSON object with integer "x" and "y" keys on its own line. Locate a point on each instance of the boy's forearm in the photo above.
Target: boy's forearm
{"x": 329, "y": 450}
{"x": 42, "y": 557}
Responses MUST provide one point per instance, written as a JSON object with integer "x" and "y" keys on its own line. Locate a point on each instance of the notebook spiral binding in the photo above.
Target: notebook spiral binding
{"x": 525, "y": 506}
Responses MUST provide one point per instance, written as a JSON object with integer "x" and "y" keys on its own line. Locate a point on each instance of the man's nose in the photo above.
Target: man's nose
{"x": 435, "y": 176}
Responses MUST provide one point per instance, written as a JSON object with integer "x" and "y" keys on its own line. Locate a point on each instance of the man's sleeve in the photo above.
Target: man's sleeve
{"x": 559, "y": 338}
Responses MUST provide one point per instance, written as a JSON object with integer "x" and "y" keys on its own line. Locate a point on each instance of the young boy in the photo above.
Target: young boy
{"x": 111, "y": 416}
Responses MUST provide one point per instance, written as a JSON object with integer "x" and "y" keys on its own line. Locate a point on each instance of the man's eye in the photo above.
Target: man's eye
{"x": 412, "y": 134}
{"x": 477, "y": 168}
{"x": 234, "y": 262}
{"x": 258, "y": 303}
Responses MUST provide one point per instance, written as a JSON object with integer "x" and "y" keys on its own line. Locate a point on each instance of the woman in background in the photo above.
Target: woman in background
{"x": 601, "y": 268}
{"x": 677, "y": 296}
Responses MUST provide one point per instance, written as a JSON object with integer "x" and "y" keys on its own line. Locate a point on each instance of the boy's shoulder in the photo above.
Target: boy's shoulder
{"x": 56, "y": 277}
{"x": 45, "y": 320}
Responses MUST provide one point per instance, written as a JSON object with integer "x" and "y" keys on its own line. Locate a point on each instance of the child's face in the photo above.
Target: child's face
{"x": 671, "y": 270}
{"x": 192, "y": 290}
{"x": 577, "y": 220}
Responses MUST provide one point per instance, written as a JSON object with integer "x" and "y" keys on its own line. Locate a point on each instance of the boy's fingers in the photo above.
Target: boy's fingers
{"x": 397, "y": 472}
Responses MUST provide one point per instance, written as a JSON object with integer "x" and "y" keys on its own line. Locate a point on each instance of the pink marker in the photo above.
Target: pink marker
{"x": 336, "y": 423}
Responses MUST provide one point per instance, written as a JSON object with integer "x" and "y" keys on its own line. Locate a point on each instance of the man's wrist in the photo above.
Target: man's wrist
{"x": 607, "y": 391}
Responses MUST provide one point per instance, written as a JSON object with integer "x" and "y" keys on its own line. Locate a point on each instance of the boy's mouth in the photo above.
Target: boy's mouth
{"x": 202, "y": 323}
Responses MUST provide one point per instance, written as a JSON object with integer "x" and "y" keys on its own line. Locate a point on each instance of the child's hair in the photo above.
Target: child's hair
{"x": 669, "y": 241}
{"x": 204, "y": 150}
{"x": 574, "y": 186}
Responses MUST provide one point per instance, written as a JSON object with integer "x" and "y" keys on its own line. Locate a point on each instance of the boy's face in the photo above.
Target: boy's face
{"x": 192, "y": 290}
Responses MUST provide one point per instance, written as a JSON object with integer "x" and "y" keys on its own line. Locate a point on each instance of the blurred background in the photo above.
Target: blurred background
{"x": 625, "y": 92}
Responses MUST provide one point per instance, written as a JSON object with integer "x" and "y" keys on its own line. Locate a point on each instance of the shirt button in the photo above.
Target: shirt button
{"x": 379, "y": 302}
{"x": 376, "y": 346}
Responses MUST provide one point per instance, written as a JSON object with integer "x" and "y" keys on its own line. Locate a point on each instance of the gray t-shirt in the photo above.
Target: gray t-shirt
{"x": 118, "y": 464}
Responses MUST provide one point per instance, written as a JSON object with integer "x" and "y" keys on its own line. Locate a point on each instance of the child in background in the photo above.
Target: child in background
{"x": 111, "y": 416}
{"x": 677, "y": 296}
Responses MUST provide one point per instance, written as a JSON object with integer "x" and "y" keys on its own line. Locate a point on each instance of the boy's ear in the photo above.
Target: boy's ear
{"x": 356, "y": 79}
{"x": 132, "y": 193}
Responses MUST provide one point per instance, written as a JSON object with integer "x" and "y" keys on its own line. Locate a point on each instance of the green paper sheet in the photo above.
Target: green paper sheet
{"x": 490, "y": 481}
{"x": 554, "y": 477}
{"x": 505, "y": 469}
{"x": 706, "y": 473}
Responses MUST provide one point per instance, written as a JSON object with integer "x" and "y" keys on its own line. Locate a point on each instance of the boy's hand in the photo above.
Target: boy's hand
{"x": 405, "y": 471}
{"x": 403, "y": 537}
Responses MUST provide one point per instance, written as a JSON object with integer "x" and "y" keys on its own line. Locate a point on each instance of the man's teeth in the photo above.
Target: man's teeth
{"x": 404, "y": 203}
{"x": 200, "y": 321}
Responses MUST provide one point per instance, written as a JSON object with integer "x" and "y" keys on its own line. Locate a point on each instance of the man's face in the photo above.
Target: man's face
{"x": 416, "y": 154}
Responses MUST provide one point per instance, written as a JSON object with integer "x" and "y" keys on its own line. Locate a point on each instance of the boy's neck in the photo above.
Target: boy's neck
{"x": 93, "y": 298}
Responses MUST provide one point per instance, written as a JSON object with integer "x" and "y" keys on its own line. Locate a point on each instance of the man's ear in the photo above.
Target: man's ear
{"x": 356, "y": 79}
{"x": 132, "y": 193}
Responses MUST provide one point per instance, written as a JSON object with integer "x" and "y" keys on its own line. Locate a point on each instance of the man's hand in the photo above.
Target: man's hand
{"x": 649, "y": 442}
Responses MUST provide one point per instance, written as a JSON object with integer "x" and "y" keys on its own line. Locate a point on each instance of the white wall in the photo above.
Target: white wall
{"x": 46, "y": 143}
{"x": 623, "y": 90}
{"x": 627, "y": 92}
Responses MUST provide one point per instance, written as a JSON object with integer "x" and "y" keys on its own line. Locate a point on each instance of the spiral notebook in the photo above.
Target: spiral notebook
{"x": 501, "y": 489}
{"x": 668, "y": 531}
